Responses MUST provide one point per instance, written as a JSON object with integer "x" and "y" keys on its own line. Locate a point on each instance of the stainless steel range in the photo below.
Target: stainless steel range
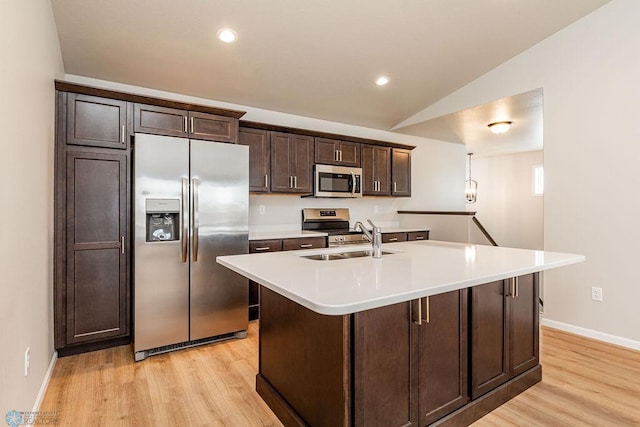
{"x": 334, "y": 222}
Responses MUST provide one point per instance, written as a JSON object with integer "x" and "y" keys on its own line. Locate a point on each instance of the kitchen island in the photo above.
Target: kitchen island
{"x": 431, "y": 333}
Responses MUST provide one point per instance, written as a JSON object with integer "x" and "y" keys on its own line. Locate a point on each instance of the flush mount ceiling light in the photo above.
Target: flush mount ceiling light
{"x": 227, "y": 35}
{"x": 382, "y": 80}
{"x": 500, "y": 127}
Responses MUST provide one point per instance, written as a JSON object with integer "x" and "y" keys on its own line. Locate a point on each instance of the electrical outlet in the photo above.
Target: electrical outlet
{"x": 596, "y": 294}
{"x": 27, "y": 360}
{"x": 261, "y": 209}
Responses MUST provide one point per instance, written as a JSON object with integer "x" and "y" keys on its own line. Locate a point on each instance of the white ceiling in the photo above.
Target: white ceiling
{"x": 315, "y": 58}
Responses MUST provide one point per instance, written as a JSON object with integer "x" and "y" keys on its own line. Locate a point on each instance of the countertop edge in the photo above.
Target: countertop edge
{"x": 338, "y": 310}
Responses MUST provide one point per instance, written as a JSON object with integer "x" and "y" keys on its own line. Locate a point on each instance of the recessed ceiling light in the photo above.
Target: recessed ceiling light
{"x": 500, "y": 127}
{"x": 227, "y": 35}
{"x": 382, "y": 80}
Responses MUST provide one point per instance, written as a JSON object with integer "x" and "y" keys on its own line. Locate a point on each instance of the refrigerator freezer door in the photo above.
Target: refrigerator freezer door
{"x": 220, "y": 199}
{"x": 161, "y": 278}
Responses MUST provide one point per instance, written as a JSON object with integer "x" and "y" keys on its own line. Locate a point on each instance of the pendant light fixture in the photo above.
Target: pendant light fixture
{"x": 470, "y": 186}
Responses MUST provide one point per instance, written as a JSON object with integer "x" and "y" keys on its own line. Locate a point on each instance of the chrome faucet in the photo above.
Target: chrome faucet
{"x": 374, "y": 236}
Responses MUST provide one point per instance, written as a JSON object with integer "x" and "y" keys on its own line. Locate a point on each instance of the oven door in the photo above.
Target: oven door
{"x": 337, "y": 181}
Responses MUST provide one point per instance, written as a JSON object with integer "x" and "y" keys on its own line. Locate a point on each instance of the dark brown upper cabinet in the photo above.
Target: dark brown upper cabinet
{"x": 291, "y": 163}
{"x": 96, "y": 122}
{"x": 158, "y": 120}
{"x": 259, "y": 143}
{"x": 376, "y": 167}
{"x": 336, "y": 152}
{"x": 504, "y": 331}
{"x": 400, "y": 172}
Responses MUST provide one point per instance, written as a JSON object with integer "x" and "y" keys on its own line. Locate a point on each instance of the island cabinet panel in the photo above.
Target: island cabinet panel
{"x": 259, "y": 143}
{"x": 291, "y": 163}
{"x": 442, "y": 356}
{"x": 385, "y": 367}
{"x": 305, "y": 357}
{"x": 504, "y": 331}
{"x": 96, "y": 122}
{"x": 336, "y": 152}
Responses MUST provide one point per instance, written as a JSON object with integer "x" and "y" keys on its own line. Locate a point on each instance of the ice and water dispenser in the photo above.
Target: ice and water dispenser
{"x": 163, "y": 219}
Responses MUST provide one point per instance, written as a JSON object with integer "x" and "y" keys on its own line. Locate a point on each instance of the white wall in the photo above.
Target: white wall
{"x": 589, "y": 72}
{"x": 506, "y": 206}
{"x": 437, "y": 168}
{"x": 30, "y": 61}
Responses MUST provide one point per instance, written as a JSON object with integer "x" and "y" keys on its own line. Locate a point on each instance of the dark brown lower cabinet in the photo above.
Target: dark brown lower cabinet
{"x": 442, "y": 356}
{"x": 92, "y": 292}
{"x": 504, "y": 331}
{"x": 380, "y": 367}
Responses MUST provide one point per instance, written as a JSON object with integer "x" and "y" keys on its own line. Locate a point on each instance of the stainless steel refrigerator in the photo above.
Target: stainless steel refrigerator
{"x": 191, "y": 203}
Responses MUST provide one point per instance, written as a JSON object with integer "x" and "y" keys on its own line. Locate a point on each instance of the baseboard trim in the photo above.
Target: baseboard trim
{"x": 590, "y": 333}
{"x": 45, "y": 383}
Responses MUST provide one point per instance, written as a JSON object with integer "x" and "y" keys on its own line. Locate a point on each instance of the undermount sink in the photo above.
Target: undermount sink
{"x": 343, "y": 255}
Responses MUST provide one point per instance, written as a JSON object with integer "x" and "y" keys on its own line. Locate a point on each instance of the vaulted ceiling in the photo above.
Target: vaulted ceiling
{"x": 315, "y": 58}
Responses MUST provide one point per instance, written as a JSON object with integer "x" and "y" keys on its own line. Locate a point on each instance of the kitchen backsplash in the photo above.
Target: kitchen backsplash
{"x": 283, "y": 212}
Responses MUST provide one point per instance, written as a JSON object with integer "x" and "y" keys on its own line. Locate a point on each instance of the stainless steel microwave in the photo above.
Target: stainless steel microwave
{"x": 337, "y": 181}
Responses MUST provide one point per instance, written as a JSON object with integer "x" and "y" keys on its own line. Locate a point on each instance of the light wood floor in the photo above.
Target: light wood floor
{"x": 584, "y": 383}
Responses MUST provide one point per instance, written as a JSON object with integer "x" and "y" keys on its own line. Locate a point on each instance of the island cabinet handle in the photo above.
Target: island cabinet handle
{"x": 426, "y": 310}
{"x": 416, "y": 314}
{"x": 419, "y": 238}
{"x": 263, "y": 248}
{"x": 393, "y": 239}
{"x": 516, "y": 286}
{"x": 307, "y": 245}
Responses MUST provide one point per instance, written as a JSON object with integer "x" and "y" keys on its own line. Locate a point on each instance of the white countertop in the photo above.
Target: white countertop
{"x": 416, "y": 270}
{"x": 403, "y": 229}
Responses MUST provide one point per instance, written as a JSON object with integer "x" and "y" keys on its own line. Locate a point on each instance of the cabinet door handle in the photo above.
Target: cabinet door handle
{"x": 418, "y": 311}
{"x": 122, "y": 245}
{"x": 295, "y": 181}
{"x": 419, "y": 238}
{"x": 306, "y": 245}
{"x": 516, "y": 286}
{"x": 340, "y": 155}
{"x": 393, "y": 239}
{"x": 262, "y": 248}
{"x": 192, "y": 131}
{"x": 266, "y": 181}
{"x": 395, "y": 187}
{"x": 335, "y": 155}
{"x": 122, "y": 134}
{"x": 426, "y": 310}
{"x": 185, "y": 124}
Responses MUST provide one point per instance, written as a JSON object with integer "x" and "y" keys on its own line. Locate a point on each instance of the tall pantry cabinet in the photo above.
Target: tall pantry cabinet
{"x": 92, "y": 208}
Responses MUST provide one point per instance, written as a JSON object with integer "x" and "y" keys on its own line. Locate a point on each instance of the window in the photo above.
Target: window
{"x": 538, "y": 180}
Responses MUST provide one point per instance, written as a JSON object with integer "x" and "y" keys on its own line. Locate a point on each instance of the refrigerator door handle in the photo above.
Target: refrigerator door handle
{"x": 183, "y": 219}
{"x": 196, "y": 218}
